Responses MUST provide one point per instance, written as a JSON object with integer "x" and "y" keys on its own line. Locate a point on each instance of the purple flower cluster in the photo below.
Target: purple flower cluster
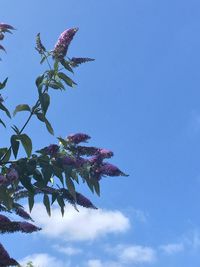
{"x": 22, "y": 213}
{"x": 12, "y": 175}
{"x": 3, "y": 179}
{"x": 5, "y": 259}
{"x": 26, "y": 227}
{"x": 76, "y": 61}
{"x": 110, "y": 170}
{"x": 52, "y": 150}
{"x": 61, "y": 47}
{"x": 4, "y": 28}
{"x": 4, "y": 219}
{"x": 84, "y": 202}
{"x": 78, "y": 138}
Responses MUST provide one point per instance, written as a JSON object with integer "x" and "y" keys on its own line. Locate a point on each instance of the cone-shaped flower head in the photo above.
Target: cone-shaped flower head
{"x": 78, "y": 138}
{"x": 12, "y": 175}
{"x": 5, "y": 259}
{"x": 110, "y": 170}
{"x": 61, "y": 47}
{"x": 28, "y": 227}
{"x": 52, "y": 150}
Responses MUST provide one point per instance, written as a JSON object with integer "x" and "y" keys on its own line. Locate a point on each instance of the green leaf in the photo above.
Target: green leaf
{"x": 5, "y": 198}
{"x": 15, "y": 129}
{"x": 53, "y": 197}
{"x": 26, "y": 182}
{"x": 61, "y": 203}
{"x": 49, "y": 127}
{"x": 7, "y": 155}
{"x": 47, "y": 204}
{"x": 22, "y": 107}
{"x": 3, "y": 84}
{"x": 2, "y": 123}
{"x": 45, "y": 101}
{"x": 70, "y": 186}
{"x": 39, "y": 81}
{"x": 42, "y": 118}
{"x": 30, "y": 201}
{"x": 3, "y": 150}
{"x": 2, "y": 107}
{"x": 96, "y": 186}
{"x": 56, "y": 85}
{"x": 66, "y": 65}
{"x": 66, "y": 79}
{"x": 26, "y": 142}
{"x": 14, "y": 144}
{"x": 63, "y": 141}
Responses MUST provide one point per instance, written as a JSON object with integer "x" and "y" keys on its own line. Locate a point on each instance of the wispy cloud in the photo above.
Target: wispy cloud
{"x": 100, "y": 263}
{"x": 43, "y": 260}
{"x": 85, "y": 225}
{"x": 134, "y": 254}
{"x": 172, "y": 248}
{"x": 67, "y": 250}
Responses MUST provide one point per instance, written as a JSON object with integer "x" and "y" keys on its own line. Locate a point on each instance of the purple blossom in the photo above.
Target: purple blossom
{"x": 22, "y": 213}
{"x": 105, "y": 153}
{"x": 12, "y": 175}
{"x": 83, "y": 201}
{"x": 75, "y": 61}
{"x": 67, "y": 161}
{"x": 61, "y": 47}
{"x": 80, "y": 162}
{"x": 78, "y": 138}
{"x": 3, "y": 179}
{"x": 110, "y": 170}
{"x": 5, "y": 259}
{"x": 6, "y": 27}
{"x": 87, "y": 150}
{"x": 4, "y": 219}
{"x": 52, "y": 150}
{"x": 28, "y": 227}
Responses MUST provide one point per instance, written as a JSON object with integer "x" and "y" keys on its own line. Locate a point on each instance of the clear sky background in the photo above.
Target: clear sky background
{"x": 141, "y": 99}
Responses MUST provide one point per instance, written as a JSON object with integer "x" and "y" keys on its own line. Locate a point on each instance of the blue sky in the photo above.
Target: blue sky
{"x": 140, "y": 98}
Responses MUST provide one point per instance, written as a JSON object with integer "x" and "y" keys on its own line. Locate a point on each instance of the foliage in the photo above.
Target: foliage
{"x": 55, "y": 170}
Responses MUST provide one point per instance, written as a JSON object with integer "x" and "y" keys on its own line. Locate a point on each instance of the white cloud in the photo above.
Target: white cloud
{"x": 43, "y": 260}
{"x": 134, "y": 254}
{"x": 172, "y": 248}
{"x": 94, "y": 263}
{"x": 99, "y": 263}
{"x": 87, "y": 224}
{"x": 67, "y": 250}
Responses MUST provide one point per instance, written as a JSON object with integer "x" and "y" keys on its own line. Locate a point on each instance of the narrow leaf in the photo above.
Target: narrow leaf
{"x": 66, "y": 79}
{"x": 2, "y": 107}
{"x": 47, "y": 204}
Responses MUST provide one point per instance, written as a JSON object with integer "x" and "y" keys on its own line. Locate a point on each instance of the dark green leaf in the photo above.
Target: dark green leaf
{"x": 2, "y": 107}
{"x": 22, "y": 107}
{"x": 7, "y": 155}
{"x": 2, "y": 123}
{"x": 26, "y": 182}
{"x": 56, "y": 85}
{"x": 49, "y": 127}
{"x": 96, "y": 186}
{"x": 3, "y": 84}
{"x": 66, "y": 79}
{"x": 26, "y": 142}
{"x": 30, "y": 201}
{"x": 61, "y": 203}
{"x": 66, "y": 65}
{"x": 70, "y": 186}
{"x": 47, "y": 204}
{"x": 14, "y": 127}
{"x": 14, "y": 144}
{"x": 39, "y": 81}
{"x": 53, "y": 197}
{"x": 45, "y": 101}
